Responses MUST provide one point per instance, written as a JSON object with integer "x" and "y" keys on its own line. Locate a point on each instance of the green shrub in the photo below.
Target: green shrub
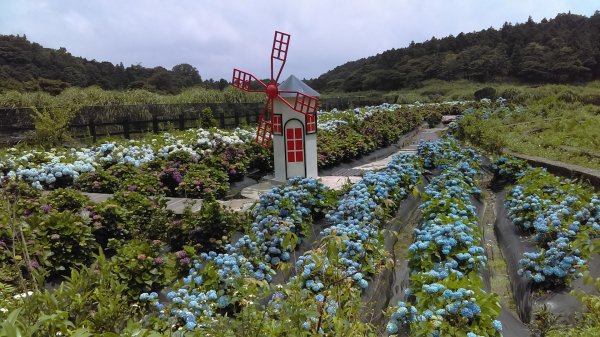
{"x": 64, "y": 239}
{"x": 52, "y": 125}
{"x": 122, "y": 171}
{"x": 100, "y": 181}
{"x": 207, "y": 118}
{"x": 66, "y": 199}
{"x": 205, "y": 229}
{"x": 201, "y": 180}
{"x": 146, "y": 217}
{"x": 141, "y": 266}
{"x": 90, "y": 297}
{"x": 511, "y": 94}
{"x": 110, "y": 223}
{"x": 182, "y": 157}
{"x": 433, "y": 118}
{"x": 147, "y": 183}
{"x": 487, "y": 92}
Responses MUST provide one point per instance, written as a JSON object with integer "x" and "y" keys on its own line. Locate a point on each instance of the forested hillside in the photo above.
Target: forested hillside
{"x": 27, "y": 66}
{"x": 560, "y": 50}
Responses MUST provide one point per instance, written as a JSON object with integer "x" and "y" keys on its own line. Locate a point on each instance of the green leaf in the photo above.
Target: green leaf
{"x": 415, "y": 192}
{"x": 12, "y": 317}
{"x": 11, "y": 330}
{"x": 81, "y": 333}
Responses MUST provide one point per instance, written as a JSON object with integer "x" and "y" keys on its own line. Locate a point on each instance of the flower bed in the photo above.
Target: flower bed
{"x": 445, "y": 295}
{"x": 349, "y": 134}
{"x": 217, "y": 280}
{"x": 198, "y": 162}
{"x": 562, "y": 218}
{"x": 193, "y": 163}
{"x": 351, "y": 249}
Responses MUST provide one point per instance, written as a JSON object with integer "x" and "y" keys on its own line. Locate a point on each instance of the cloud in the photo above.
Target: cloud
{"x": 216, "y": 36}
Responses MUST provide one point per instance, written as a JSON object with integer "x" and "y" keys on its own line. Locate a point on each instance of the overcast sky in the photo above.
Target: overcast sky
{"x": 217, "y": 35}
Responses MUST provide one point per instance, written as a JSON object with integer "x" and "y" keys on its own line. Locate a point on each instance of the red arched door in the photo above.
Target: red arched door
{"x": 294, "y": 149}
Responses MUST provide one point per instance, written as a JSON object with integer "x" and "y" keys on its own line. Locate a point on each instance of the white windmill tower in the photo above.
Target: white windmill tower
{"x": 289, "y": 118}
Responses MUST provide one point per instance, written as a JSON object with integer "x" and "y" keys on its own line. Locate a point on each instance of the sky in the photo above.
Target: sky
{"x": 217, "y": 35}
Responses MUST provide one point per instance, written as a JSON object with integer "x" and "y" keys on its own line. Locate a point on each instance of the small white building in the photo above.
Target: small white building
{"x": 294, "y": 134}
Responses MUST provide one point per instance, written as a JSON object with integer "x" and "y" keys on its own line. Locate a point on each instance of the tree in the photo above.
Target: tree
{"x": 186, "y": 75}
{"x": 532, "y": 65}
{"x": 161, "y": 80}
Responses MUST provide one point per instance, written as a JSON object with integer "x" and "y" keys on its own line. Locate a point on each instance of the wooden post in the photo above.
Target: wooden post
{"x": 154, "y": 123}
{"x": 126, "y": 128}
{"x": 181, "y": 121}
{"x": 93, "y": 130}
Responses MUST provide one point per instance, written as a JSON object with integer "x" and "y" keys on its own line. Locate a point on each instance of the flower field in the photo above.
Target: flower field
{"x": 128, "y": 266}
{"x": 197, "y": 162}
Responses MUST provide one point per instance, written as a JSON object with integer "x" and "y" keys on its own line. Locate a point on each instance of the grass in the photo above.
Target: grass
{"x": 550, "y": 128}
{"x": 439, "y": 91}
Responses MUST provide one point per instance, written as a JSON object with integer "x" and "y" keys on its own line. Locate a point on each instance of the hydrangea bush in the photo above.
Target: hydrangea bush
{"x": 562, "y": 218}
{"x": 216, "y": 280}
{"x": 445, "y": 295}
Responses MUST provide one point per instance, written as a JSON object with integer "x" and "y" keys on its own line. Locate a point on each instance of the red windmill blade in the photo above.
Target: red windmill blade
{"x": 281, "y": 41}
{"x": 303, "y": 103}
{"x": 243, "y": 80}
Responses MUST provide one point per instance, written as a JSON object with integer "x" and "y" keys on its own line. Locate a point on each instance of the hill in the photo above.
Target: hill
{"x": 27, "y": 66}
{"x": 565, "y": 49}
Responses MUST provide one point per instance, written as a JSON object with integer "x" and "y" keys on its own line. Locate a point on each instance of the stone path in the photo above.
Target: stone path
{"x": 251, "y": 193}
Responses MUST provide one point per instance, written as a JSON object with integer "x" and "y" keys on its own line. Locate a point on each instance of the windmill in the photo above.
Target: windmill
{"x": 301, "y": 102}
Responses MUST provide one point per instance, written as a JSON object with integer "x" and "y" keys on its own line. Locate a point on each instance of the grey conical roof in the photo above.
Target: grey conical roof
{"x": 292, "y": 83}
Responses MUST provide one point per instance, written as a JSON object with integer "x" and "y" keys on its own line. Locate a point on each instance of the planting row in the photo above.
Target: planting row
{"x": 446, "y": 296}
{"x": 63, "y": 230}
{"x": 327, "y": 278}
{"x": 561, "y": 216}
{"x": 194, "y": 163}
{"x": 351, "y": 250}
{"x": 216, "y": 280}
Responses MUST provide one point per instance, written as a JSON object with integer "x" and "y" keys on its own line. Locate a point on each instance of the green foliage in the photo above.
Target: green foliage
{"x": 24, "y": 61}
{"x": 140, "y": 266}
{"x": 547, "y": 127}
{"x": 90, "y": 297}
{"x": 508, "y": 168}
{"x": 66, "y": 199}
{"x": 146, "y": 182}
{"x": 433, "y": 118}
{"x": 110, "y": 223}
{"x": 207, "y": 118}
{"x": 587, "y": 324}
{"x": 543, "y": 323}
{"x": 455, "y": 324}
{"x": 122, "y": 171}
{"x": 208, "y": 228}
{"x": 471, "y": 129}
{"x": 201, "y": 180}
{"x": 52, "y": 125}
{"x": 100, "y": 181}
{"x": 110, "y": 100}
{"x": 358, "y": 138}
{"x": 63, "y": 240}
{"x": 487, "y": 92}
{"x": 287, "y": 313}
{"x": 146, "y": 217}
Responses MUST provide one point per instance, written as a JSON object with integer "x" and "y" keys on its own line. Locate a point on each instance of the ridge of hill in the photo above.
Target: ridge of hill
{"x": 565, "y": 49}
{"x": 28, "y": 66}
